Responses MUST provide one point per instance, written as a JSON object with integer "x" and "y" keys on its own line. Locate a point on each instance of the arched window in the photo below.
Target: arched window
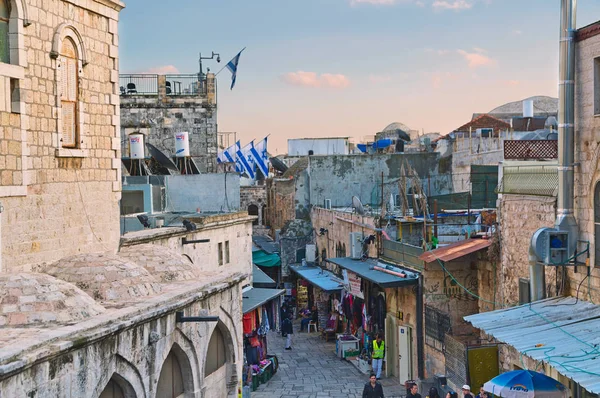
{"x": 215, "y": 357}
{"x": 253, "y": 211}
{"x": 69, "y": 93}
{"x": 311, "y": 152}
{"x": 597, "y": 223}
{"x": 170, "y": 382}
{"x": 4, "y": 42}
{"x": 112, "y": 390}
{"x": 343, "y": 250}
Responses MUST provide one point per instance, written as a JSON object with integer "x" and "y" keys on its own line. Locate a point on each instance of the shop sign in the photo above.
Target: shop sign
{"x": 354, "y": 284}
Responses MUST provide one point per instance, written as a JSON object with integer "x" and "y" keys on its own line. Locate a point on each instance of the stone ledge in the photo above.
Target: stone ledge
{"x": 12, "y": 71}
{"x": 71, "y": 153}
{"x": 51, "y": 343}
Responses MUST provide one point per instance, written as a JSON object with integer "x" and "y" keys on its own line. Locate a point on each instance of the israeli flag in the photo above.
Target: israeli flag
{"x": 259, "y": 152}
{"x": 232, "y": 66}
{"x": 246, "y": 160}
{"x": 221, "y": 157}
{"x": 230, "y": 156}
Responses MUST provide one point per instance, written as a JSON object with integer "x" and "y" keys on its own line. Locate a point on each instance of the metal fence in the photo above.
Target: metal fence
{"x": 530, "y": 149}
{"x": 403, "y": 253}
{"x": 184, "y": 85}
{"x": 144, "y": 84}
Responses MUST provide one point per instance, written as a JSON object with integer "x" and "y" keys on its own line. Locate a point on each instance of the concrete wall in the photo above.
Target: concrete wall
{"x": 160, "y": 116}
{"x": 58, "y": 200}
{"x": 319, "y": 146}
{"x": 207, "y": 192}
{"x": 340, "y": 177}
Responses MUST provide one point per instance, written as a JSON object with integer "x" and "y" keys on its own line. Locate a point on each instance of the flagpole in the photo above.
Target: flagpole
{"x": 221, "y": 70}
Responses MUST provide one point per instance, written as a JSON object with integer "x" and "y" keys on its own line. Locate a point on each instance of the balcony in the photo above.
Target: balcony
{"x": 530, "y": 149}
{"x": 174, "y": 85}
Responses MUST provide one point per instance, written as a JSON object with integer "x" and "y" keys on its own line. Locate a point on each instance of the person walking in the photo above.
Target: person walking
{"x": 377, "y": 357}
{"x": 373, "y": 389}
{"x": 283, "y": 313}
{"x": 466, "y": 390}
{"x": 288, "y": 329}
{"x": 413, "y": 391}
{"x": 433, "y": 393}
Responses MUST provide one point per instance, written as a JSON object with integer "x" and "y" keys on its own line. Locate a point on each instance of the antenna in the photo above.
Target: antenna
{"x": 358, "y": 206}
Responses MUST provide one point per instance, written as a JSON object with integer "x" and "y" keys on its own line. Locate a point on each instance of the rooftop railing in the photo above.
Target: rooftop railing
{"x": 153, "y": 85}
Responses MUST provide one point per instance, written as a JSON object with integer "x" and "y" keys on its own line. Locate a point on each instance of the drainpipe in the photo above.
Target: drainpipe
{"x": 420, "y": 331}
{"x": 565, "y": 218}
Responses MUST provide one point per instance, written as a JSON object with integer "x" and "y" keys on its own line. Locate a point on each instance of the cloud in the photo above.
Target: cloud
{"x": 374, "y": 2}
{"x": 477, "y": 58}
{"x": 312, "y": 79}
{"x": 163, "y": 70}
{"x": 452, "y": 4}
{"x": 439, "y": 78}
{"x": 379, "y": 79}
{"x": 438, "y": 52}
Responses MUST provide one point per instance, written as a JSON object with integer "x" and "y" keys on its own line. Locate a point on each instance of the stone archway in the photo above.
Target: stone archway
{"x": 254, "y": 210}
{"x": 176, "y": 378}
{"x": 118, "y": 387}
{"x": 220, "y": 378}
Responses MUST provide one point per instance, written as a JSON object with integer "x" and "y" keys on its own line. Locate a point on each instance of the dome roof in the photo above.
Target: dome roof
{"x": 29, "y": 299}
{"x": 160, "y": 261}
{"x": 397, "y": 126}
{"x": 541, "y": 105}
{"x": 105, "y": 277}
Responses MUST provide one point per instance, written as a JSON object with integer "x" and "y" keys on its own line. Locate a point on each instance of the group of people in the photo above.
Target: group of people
{"x": 373, "y": 389}
{"x": 287, "y": 328}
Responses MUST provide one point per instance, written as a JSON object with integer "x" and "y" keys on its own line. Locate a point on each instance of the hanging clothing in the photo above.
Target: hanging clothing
{"x": 248, "y": 323}
{"x": 381, "y": 312}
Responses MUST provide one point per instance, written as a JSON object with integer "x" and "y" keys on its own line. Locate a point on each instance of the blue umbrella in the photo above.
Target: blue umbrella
{"x": 525, "y": 383}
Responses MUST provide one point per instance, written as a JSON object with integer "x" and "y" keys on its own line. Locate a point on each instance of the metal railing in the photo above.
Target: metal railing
{"x": 403, "y": 253}
{"x": 143, "y": 84}
{"x": 184, "y": 85}
{"x": 530, "y": 149}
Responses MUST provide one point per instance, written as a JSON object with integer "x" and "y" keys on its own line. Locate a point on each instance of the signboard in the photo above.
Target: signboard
{"x": 355, "y": 282}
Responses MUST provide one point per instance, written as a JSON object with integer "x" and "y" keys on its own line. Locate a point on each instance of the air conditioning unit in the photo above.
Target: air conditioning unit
{"x": 356, "y": 245}
{"x": 327, "y": 204}
{"x": 311, "y": 250}
{"x": 484, "y": 132}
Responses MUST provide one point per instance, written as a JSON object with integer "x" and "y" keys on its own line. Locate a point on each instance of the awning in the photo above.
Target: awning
{"x": 256, "y": 296}
{"x": 265, "y": 243}
{"x": 260, "y": 279}
{"x": 321, "y": 278}
{"x": 561, "y": 332}
{"x": 264, "y": 259}
{"x": 383, "y": 279}
{"x": 455, "y": 250}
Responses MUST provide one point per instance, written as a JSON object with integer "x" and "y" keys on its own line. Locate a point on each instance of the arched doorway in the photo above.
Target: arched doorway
{"x": 175, "y": 375}
{"x": 217, "y": 365}
{"x": 117, "y": 387}
{"x": 253, "y": 211}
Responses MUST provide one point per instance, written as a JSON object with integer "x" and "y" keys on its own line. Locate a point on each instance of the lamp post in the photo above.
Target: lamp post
{"x": 201, "y": 74}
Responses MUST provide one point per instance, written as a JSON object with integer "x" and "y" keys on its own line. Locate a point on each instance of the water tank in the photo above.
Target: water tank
{"x": 182, "y": 145}
{"x": 528, "y": 108}
{"x": 136, "y": 146}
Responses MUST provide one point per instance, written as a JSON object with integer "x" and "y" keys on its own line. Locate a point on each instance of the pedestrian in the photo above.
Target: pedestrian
{"x": 482, "y": 393}
{"x": 412, "y": 391}
{"x": 283, "y": 312}
{"x": 466, "y": 390}
{"x": 372, "y": 388}
{"x": 288, "y": 329}
{"x": 452, "y": 395}
{"x": 433, "y": 393}
{"x": 377, "y": 357}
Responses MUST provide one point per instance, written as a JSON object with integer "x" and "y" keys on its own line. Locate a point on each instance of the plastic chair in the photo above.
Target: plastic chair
{"x": 313, "y": 324}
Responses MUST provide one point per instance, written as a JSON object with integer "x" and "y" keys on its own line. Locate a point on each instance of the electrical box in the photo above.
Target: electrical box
{"x": 356, "y": 245}
{"x": 327, "y": 203}
{"x": 551, "y": 246}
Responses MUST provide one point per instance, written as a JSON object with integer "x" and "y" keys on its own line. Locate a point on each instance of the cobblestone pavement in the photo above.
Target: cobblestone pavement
{"x": 312, "y": 370}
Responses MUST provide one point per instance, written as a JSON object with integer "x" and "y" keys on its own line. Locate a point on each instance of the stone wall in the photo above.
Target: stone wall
{"x": 160, "y": 116}
{"x": 209, "y": 192}
{"x": 257, "y": 196}
{"x": 59, "y": 200}
{"x": 281, "y": 195}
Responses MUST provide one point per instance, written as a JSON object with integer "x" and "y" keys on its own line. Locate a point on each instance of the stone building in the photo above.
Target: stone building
{"x": 159, "y": 106}
{"x": 60, "y": 135}
{"x": 254, "y": 200}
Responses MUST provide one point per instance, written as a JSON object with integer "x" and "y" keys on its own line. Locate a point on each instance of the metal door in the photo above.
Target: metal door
{"x": 483, "y": 364}
{"x": 404, "y": 354}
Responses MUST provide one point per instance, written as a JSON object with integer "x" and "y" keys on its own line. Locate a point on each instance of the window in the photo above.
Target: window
{"x": 437, "y": 324}
{"x": 226, "y": 252}
{"x": 215, "y": 357}
{"x": 112, "y": 390}
{"x": 596, "y": 86}
{"x": 220, "y": 249}
{"x": 170, "y": 382}
{"x": 4, "y": 42}
{"x": 69, "y": 93}
{"x": 597, "y": 224}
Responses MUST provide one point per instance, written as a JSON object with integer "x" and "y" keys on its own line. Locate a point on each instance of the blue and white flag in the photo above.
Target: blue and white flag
{"x": 232, "y": 66}
{"x": 230, "y": 154}
{"x": 221, "y": 157}
{"x": 259, "y": 152}
{"x": 246, "y": 160}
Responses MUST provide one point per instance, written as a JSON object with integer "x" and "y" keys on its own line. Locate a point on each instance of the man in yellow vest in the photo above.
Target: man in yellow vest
{"x": 377, "y": 356}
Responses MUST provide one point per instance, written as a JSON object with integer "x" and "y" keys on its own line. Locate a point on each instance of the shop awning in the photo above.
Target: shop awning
{"x": 321, "y": 278}
{"x": 256, "y": 296}
{"x": 455, "y": 250}
{"x": 383, "y": 279}
{"x": 260, "y": 279}
{"x": 265, "y": 243}
{"x": 561, "y": 332}
{"x": 264, "y": 259}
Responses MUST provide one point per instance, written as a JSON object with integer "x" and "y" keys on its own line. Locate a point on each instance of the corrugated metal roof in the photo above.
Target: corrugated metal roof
{"x": 256, "y": 296}
{"x": 266, "y": 243}
{"x": 260, "y": 279}
{"x": 323, "y": 279}
{"x": 383, "y": 279}
{"x": 561, "y": 331}
{"x": 455, "y": 250}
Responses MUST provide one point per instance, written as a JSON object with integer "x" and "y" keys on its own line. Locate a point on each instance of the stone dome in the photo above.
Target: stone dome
{"x": 542, "y": 106}
{"x": 29, "y": 299}
{"x": 160, "y": 261}
{"x": 105, "y": 277}
{"x": 397, "y": 126}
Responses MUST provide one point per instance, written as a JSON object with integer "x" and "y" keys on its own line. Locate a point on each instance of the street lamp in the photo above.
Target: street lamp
{"x": 200, "y": 74}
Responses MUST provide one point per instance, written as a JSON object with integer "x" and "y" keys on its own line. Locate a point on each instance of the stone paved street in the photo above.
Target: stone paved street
{"x": 311, "y": 370}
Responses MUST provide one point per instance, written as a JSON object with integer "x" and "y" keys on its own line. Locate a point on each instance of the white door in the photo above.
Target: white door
{"x": 404, "y": 354}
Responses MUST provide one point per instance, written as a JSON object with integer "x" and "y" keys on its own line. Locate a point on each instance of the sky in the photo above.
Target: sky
{"x": 348, "y": 68}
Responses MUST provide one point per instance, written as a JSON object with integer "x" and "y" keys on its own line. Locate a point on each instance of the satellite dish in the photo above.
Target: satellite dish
{"x": 403, "y": 135}
{"x": 392, "y": 202}
{"x": 278, "y": 164}
{"x": 161, "y": 158}
{"x": 358, "y": 206}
